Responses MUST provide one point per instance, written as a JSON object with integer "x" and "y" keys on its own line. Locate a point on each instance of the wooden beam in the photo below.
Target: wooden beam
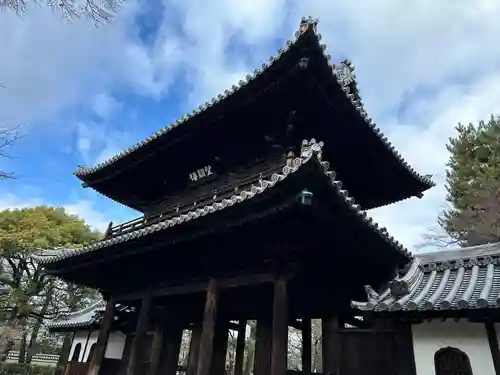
{"x": 136, "y": 350}
{"x": 194, "y": 349}
{"x": 306, "y": 346}
{"x": 102, "y": 340}
{"x": 279, "y": 354}
{"x": 494, "y": 348}
{"x": 200, "y": 286}
{"x": 240, "y": 347}
{"x": 207, "y": 332}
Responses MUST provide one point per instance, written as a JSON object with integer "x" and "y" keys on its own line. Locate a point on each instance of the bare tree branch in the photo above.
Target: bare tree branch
{"x": 98, "y": 11}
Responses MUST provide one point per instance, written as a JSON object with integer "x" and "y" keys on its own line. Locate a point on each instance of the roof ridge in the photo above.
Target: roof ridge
{"x": 310, "y": 150}
{"x": 491, "y": 249}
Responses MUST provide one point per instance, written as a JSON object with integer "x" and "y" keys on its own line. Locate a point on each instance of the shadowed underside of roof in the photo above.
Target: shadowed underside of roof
{"x": 310, "y": 153}
{"x": 462, "y": 279}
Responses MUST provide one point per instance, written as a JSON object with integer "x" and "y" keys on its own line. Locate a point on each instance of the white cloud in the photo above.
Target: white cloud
{"x": 106, "y": 105}
{"x": 447, "y": 50}
{"x": 86, "y": 210}
{"x": 12, "y": 202}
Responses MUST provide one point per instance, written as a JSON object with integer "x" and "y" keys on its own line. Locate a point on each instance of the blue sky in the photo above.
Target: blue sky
{"x": 83, "y": 93}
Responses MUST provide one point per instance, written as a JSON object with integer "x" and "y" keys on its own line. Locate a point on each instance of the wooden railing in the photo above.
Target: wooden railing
{"x": 203, "y": 199}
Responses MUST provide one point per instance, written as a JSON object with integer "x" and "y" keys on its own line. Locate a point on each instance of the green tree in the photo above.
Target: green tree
{"x": 473, "y": 184}
{"x": 31, "y": 295}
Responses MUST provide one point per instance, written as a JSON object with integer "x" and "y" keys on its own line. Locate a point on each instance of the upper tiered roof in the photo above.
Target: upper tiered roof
{"x": 301, "y": 79}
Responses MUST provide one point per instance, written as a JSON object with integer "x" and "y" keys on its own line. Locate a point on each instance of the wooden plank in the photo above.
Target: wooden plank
{"x": 331, "y": 344}
{"x": 306, "y": 346}
{"x": 140, "y": 331}
{"x": 263, "y": 337}
{"x": 102, "y": 339}
{"x": 199, "y": 286}
{"x": 194, "y": 349}
{"x": 207, "y": 332}
{"x": 240, "y": 347}
{"x": 494, "y": 348}
{"x": 279, "y": 354}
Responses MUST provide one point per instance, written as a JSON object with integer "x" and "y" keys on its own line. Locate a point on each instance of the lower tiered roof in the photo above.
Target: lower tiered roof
{"x": 79, "y": 319}
{"x": 463, "y": 279}
{"x": 311, "y": 154}
{"x": 83, "y": 319}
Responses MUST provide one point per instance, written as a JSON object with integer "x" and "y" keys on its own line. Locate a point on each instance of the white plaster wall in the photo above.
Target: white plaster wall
{"x": 116, "y": 343}
{"x": 114, "y": 349}
{"x": 92, "y": 340}
{"x": 470, "y": 338}
{"x": 79, "y": 338}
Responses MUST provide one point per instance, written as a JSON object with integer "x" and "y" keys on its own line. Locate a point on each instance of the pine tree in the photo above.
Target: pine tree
{"x": 473, "y": 184}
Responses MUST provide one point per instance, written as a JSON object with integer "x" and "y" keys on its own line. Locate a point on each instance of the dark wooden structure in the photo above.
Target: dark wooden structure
{"x": 245, "y": 220}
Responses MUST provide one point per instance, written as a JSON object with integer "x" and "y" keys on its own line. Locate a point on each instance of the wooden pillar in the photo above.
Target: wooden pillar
{"x": 331, "y": 344}
{"x": 172, "y": 338}
{"x": 207, "y": 332}
{"x": 306, "y": 346}
{"x": 136, "y": 350}
{"x": 240, "y": 347}
{"x": 194, "y": 349}
{"x": 494, "y": 348}
{"x": 102, "y": 340}
{"x": 279, "y": 354}
{"x": 263, "y": 337}
{"x": 221, "y": 335}
{"x": 156, "y": 348}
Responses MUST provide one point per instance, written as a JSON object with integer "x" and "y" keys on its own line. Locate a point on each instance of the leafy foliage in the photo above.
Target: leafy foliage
{"x": 473, "y": 184}
{"x": 25, "y": 369}
{"x": 31, "y": 295}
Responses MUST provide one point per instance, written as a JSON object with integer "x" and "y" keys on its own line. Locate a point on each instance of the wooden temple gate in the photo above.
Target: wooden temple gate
{"x": 345, "y": 351}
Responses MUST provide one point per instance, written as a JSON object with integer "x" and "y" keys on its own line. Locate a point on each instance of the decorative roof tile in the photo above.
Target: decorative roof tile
{"x": 311, "y": 151}
{"x": 450, "y": 280}
{"x": 343, "y": 72}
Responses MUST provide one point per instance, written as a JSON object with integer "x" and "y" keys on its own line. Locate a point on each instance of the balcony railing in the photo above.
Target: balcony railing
{"x": 204, "y": 198}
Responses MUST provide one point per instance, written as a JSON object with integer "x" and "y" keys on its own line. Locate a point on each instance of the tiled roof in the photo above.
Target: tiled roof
{"x": 462, "y": 279}
{"x": 310, "y": 152}
{"x": 77, "y": 319}
{"x": 307, "y": 25}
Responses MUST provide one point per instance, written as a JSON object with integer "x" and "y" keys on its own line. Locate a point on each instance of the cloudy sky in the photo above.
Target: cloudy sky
{"x": 83, "y": 93}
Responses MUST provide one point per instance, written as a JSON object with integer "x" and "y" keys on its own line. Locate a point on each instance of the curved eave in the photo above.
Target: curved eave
{"x": 464, "y": 283}
{"x": 87, "y": 175}
{"x": 79, "y": 319}
{"x": 311, "y": 153}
